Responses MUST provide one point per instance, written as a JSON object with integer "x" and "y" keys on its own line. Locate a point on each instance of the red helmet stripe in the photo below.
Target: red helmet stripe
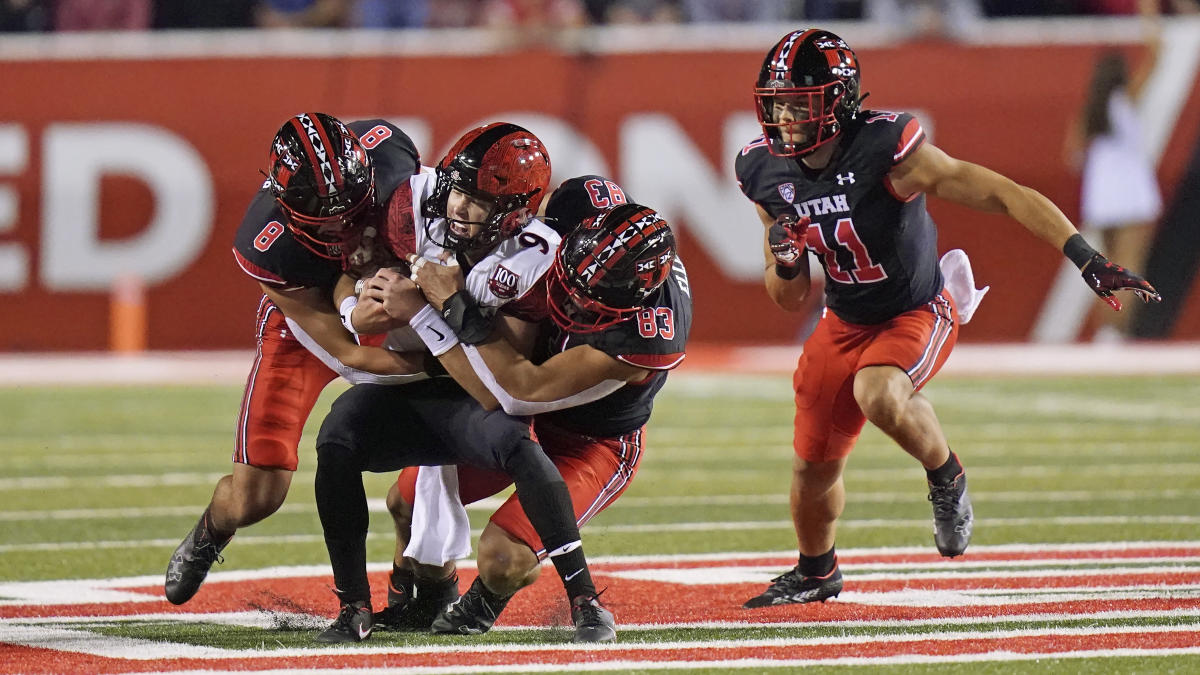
{"x": 320, "y": 154}
{"x": 785, "y": 51}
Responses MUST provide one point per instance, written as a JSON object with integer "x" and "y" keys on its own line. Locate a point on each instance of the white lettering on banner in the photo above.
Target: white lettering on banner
{"x": 662, "y": 166}
{"x": 14, "y": 259}
{"x": 75, "y": 158}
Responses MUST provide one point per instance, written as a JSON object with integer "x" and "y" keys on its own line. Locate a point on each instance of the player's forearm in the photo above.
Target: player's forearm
{"x": 456, "y": 364}
{"x": 1039, "y": 215}
{"x": 789, "y": 294}
{"x": 381, "y": 361}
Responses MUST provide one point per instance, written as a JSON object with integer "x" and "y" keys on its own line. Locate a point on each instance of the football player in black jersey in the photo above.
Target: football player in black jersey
{"x": 473, "y": 219}
{"x": 849, "y": 185}
{"x": 621, "y": 310}
{"x": 326, "y": 184}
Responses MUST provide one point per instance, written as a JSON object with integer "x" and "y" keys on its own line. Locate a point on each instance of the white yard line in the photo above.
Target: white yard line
{"x": 598, "y": 530}
{"x": 1158, "y": 469}
{"x": 82, "y": 641}
{"x": 378, "y": 506}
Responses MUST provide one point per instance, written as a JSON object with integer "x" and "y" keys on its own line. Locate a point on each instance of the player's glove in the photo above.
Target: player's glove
{"x": 1104, "y": 276}
{"x": 786, "y": 239}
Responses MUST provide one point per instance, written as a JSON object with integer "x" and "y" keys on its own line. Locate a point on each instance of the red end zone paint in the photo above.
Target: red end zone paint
{"x": 938, "y": 591}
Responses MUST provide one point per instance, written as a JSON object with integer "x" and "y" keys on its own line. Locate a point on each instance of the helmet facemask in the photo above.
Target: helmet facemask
{"x": 798, "y": 120}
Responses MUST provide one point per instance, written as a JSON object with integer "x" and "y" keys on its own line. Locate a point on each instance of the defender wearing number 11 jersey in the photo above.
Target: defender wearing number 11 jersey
{"x": 849, "y": 185}
{"x": 879, "y": 251}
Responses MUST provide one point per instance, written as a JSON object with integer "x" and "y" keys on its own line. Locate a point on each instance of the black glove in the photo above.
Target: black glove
{"x": 1103, "y": 277}
{"x": 786, "y": 239}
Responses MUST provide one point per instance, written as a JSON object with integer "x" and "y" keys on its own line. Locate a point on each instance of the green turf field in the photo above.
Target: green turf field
{"x": 103, "y": 482}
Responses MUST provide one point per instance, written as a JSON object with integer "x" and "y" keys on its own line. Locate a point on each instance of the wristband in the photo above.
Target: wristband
{"x": 785, "y": 272}
{"x": 1078, "y": 250}
{"x": 462, "y": 314}
{"x": 433, "y": 331}
{"x": 346, "y": 309}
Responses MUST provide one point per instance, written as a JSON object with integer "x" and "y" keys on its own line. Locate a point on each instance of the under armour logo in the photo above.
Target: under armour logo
{"x": 845, "y": 178}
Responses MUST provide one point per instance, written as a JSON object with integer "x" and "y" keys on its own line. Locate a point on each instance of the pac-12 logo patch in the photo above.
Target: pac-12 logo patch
{"x": 503, "y": 282}
{"x": 788, "y": 192}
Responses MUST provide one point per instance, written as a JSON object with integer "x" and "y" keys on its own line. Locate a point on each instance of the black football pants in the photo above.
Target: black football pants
{"x": 383, "y": 428}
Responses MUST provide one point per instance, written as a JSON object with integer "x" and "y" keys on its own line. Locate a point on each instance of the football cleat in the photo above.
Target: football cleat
{"x": 593, "y": 623}
{"x": 191, "y": 561}
{"x": 953, "y": 517}
{"x": 793, "y": 587}
{"x": 471, "y": 614}
{"x": 416, "y": 609}
{"x": 353, "y": 624}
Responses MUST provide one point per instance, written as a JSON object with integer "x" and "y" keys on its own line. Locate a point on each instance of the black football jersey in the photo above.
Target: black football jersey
{"x": 264, "y": 246}
{"x": 879, "y": 252}
{"x": 654, "y": 339}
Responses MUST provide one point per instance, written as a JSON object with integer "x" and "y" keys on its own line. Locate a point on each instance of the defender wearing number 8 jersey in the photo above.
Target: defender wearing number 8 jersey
{"x": 327, "y": 184}
{"x": 848, "y": 185}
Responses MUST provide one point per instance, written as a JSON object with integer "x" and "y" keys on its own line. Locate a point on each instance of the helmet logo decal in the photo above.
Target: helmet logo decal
{"x": 324, "y": 166}
{"x": 788, "y": 192}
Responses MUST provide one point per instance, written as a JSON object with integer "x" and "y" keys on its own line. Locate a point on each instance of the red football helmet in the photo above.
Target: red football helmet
{"x": 501, "y": 163}
{"x": 323, "y": 180}
{"x": 807, "y": 91}
{"x": 608, "y": 266}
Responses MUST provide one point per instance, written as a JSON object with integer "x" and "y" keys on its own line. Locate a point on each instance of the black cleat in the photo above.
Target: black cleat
{"x": 414, "y": 608}
{"x": 593, "y": 623}
{"x": 191, "y": 561}
{"x": 793, "y": 587}
{"x": 953, "y": 517}
{"x": 353, "y": 624}
{"x": 471, "y": 614}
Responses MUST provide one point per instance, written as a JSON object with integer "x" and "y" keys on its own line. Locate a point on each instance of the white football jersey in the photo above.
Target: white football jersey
{"x": 514, "y": 268}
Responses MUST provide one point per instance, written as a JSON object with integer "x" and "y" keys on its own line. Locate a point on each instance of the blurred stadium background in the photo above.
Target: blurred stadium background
{"x": 127, "y": 157}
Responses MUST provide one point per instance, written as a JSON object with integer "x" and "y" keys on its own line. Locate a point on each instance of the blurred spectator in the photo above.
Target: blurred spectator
{"x": 452, "y": 13}
{"x": 23, "y": 15}
{"x": 825, "y": 10}
{"x": 206, "y": 14}
{"x": 533, "y": 14}
{"x": 708, "y": 11}
{"x": 1000, "y": 8}
{"x": 305, "y": 13}
{"x": 635, "y": 11}
{"x": 73, "y": 15}
{"x": 927, "y": 19}
{"x": 392, "y": 13}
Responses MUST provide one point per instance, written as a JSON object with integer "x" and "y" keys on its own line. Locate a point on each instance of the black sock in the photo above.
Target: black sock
{"x": 425, "y": 586}
{"x": 342, "y": 507}
{"x": 402, "y": 580}
{"x": 946, "y": 473}
{"x": 572, "y": 568}
{"x": 818, "y": 565}
{"x": 547, "y": 503}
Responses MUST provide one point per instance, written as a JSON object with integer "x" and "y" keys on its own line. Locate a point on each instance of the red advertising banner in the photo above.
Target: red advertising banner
{"x": 114, "y": 168}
